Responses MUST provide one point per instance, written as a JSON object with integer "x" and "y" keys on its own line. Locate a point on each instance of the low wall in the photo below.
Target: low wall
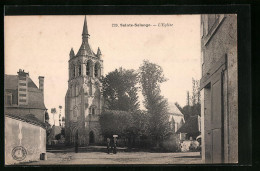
{"x": 24, "y": 141}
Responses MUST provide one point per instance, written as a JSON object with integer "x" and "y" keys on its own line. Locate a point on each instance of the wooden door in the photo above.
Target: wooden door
{"x": 217, "y": 119}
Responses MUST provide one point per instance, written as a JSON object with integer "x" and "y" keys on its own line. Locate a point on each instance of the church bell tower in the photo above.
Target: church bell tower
{"x": 84, "y": 100}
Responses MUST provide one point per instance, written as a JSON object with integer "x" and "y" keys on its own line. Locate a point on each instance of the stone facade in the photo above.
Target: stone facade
{"x": 219, "y": 88}
{"x": 84, "y": 100}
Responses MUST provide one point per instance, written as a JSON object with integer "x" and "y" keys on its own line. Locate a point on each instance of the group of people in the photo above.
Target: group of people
{"x": 111, "y": 144}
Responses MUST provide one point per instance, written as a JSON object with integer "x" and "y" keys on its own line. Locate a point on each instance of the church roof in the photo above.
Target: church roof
{"x": 173, "y": 110}
{"x": 85, "y": 49}
{"x": 29, "y": 118}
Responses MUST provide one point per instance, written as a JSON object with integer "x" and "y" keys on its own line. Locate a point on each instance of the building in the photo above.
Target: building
{"x": 25, "y": 129}
{"x": 23, "y": 97}
{"x": 84, "y": 100}
{"x": 176, "y": 118}
{"x": 219, "y": 88}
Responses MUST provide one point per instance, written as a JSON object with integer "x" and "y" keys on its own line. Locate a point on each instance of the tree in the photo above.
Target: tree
{"x": 151, "y": 75}
{"x": 47, "y": 117}
{"x": 195, "y": 107}
{"x": 127, "y": 125}
{"x": 116, "y": 122}
{"x": 53, "y": 111}
{"x": 60, "y": 135}
{"x": 120, "y": 91}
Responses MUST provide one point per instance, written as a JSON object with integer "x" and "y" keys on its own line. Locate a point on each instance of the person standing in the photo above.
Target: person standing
{"x": 108, "y": 145}
{"x": 115, "y": 144}
{"x": 76, "y": 142}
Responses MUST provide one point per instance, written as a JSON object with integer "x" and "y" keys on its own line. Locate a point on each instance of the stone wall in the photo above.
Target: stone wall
{"x": 18, "y": 133}
{"x": 219, "y": 43}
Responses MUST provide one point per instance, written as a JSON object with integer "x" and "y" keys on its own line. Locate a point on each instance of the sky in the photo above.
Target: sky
{"x": 41, "y": 45}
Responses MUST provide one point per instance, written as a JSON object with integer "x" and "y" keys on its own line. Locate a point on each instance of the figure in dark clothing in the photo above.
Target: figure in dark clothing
{"x": 76, "y": 142}
{"x": 108, "y": 145}
{"x": 76, "y": 147}
{"x": 114, "y": 145}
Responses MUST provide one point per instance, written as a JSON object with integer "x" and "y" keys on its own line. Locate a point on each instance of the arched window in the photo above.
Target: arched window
{"x": 92, "y": 110}
{"x": 97, "y": 69}
{"x": 88, "y": 68}
{"x": 74, "y": 71}
{"x": 79, "y": 69}
{"x": 90, "y": 89}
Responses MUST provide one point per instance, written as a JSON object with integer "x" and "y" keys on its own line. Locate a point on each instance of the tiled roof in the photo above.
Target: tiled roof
{"x": 35, "y": 97}
{"x": 11, "y": 82}
{"x": 190, "y": 126}
{"x": 30, "y": 118}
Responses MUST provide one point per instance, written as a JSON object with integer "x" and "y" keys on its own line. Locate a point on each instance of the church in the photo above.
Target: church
{"x": 84, "y": 99}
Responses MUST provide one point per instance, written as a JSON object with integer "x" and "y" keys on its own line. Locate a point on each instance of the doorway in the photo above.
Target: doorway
{"x": 213, "y": 120}
{"x": 91, "y": 137}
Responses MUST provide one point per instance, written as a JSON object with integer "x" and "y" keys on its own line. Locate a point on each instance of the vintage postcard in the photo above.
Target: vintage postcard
{"x": 121, "y": 89}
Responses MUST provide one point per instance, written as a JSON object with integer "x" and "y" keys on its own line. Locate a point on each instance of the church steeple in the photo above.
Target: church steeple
{"x": 85, "y": 34}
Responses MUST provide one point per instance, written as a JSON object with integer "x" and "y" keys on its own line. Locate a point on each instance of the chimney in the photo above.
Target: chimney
{"x": 41, "y": 85}
{"x": 22, "y": 87}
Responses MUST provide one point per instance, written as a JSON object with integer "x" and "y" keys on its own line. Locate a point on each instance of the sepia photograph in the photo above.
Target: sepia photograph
{"x": 120, "y": 89}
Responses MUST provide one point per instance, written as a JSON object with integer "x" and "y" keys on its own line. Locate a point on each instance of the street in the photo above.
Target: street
{"x": 69, "y": 157}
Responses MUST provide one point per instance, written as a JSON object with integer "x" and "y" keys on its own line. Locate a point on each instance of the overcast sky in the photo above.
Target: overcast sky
{"x": 41, "y": 44}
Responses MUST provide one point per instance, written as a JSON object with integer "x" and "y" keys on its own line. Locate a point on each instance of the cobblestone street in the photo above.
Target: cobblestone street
{"x": 93, "y": 158}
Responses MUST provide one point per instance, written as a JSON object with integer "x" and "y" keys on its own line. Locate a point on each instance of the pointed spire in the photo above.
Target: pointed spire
{"x": 99, "y": 52}
{"x": 85, "y": 34}
{"x": 72, "y": 54}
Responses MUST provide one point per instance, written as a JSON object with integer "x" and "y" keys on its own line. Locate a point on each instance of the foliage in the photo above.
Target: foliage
{"x": 151, "y": 75}
{"x": 47, "y": 117}
{"x": 193, "y": 106}
{"x": 171, "y": 144}
{"x": 58, "y": 136}
{"x": 120, "y": 91}
{"x": 53, "y": 110}
{"x": 124, "y": 124}
{"x": 48, "y": 130}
